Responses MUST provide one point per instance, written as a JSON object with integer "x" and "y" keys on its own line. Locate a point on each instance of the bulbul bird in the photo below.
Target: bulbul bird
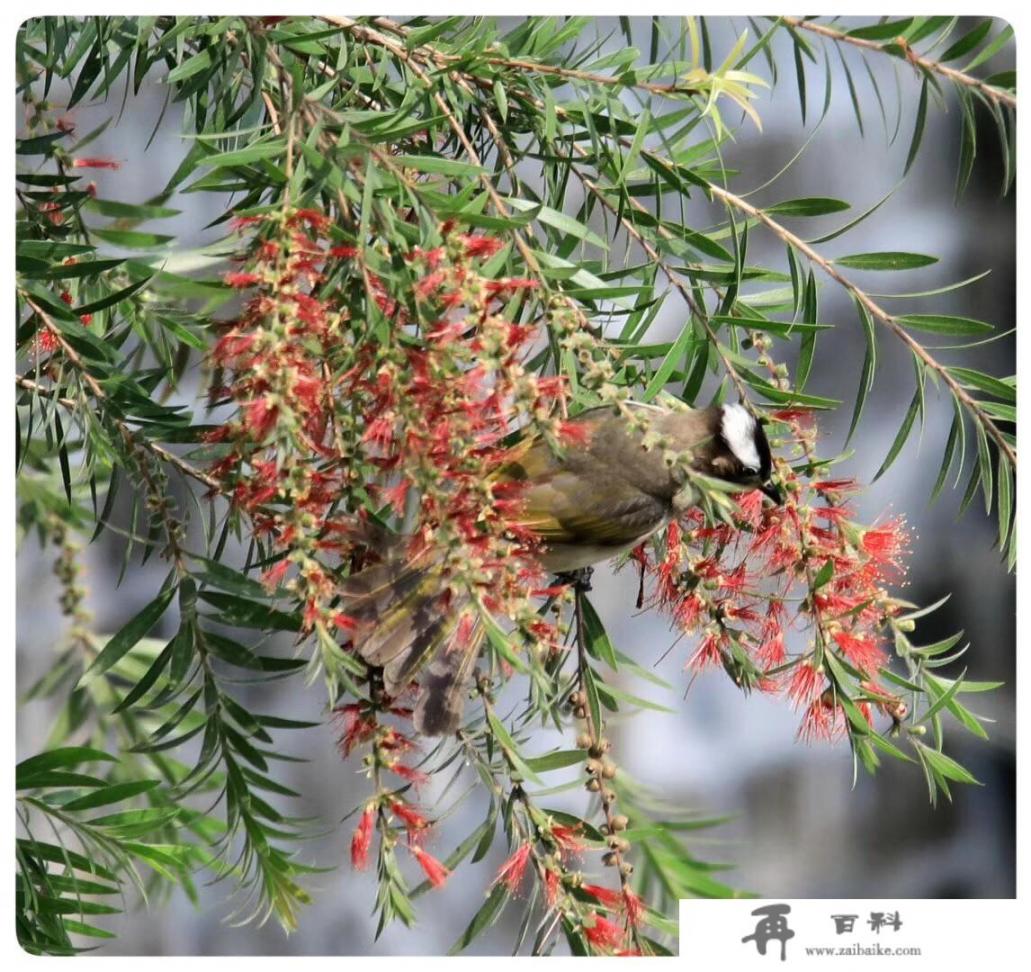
{"x": 605, "y": 494}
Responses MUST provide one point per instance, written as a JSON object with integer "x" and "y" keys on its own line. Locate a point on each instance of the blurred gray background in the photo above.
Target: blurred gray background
{"x": 800, "y": 828}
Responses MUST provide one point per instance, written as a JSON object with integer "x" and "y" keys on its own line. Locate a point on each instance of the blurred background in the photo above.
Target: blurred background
{"x": 799, "y": 826}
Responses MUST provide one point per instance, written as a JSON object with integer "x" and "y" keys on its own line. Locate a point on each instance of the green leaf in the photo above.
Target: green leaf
{"x": 888, "y": 260}
{"x": 484, "y": 917}
{"x": 245, "y": 156}
{"x": 901, "y": 436}
{"x": 54, "y": 759}
{"x": 560, "y": 221}
{"x": 229, "y": 580}
{"x": 825, "y": 573}
{"x": 967, "y": 42}
{"x": 598, "y": 643}
{"x": 114, "y": 793}
{"x": 128, "y": 636}
{"x": 869, "y": 370}
{"x": 557, "y": 759}
{"x": 945, "y": 324}
{"x": 878, "y": 32}
{"x": 194, "y": 65}
{"x": 918, "y": 128}
{"x": 811, "y": 206}
{"x": 249, "y": 614}
{"x": 439, "y": 165}
{"x": 133, "y": 239}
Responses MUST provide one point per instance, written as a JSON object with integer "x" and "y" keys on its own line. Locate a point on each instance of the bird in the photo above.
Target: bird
{"x": 607, "y": 491}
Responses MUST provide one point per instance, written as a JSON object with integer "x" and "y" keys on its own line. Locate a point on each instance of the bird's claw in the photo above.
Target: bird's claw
{"x": 580, "y": 579}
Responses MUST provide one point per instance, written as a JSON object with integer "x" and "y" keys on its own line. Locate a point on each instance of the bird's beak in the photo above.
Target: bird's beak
{"x": 773, "y": 491}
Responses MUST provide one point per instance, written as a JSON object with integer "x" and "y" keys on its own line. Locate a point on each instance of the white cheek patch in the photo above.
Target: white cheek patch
{"x": 739, "y": 434}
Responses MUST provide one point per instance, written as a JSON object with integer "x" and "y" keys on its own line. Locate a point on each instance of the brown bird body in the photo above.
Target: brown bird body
{"x": 602, "y": 497}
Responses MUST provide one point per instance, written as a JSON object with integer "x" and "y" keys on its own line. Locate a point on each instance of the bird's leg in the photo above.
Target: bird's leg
{"x": 580, "y": 579}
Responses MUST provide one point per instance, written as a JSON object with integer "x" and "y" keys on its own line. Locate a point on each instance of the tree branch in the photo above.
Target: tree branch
{"x": 997, "y": 95}
{"x": 877, "y": 312}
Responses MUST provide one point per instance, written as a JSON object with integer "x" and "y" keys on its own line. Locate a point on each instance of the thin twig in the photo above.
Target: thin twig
{"x": 877, "y": 312}
{"x": 997, "y": 95}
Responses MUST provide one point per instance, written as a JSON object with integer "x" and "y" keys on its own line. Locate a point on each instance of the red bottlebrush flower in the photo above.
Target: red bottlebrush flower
{"x": 605, "y": 896}
{"x": 567, "y": 838}
{"x": 66, "y": 297}
{"x": 552, "y": 883}
{"x": 863, "y": 652}
{"x": 503, "y": 287}
{"x": 310, "y": 217}
{"x": 750, "y": 507}
{"x": 822, "y": 720}
{"x": 604, "y": 934}
{"x": 806, "y": 683}
{"x": 481, "y": 246}
{"x": 432, "y": 868}
{"x": 709, "y": 652}
{"x": 414, "y": 821}
{"x": 835, "y": 486}
{"x": 95, "y": 163}
{"x": 86, "y": 319}
{"x": 242, "y": 222}
{"x": 512, "y": 871}
{"x": 380, "y": 431}
{"x": 409, "y": 773}
{"x": 771, "y": 652}
{"x": 259, "y": 417}
{"x": 396, "y": 496}
{"x": 362, "y": 839}
{"x": 634, "y": 907}
{"x": 574, "y": 433}
{"x": 429, "y": 284}
{"x": 887, "y": 544}
{"x": 345, "y": 622}
{"x": 45, "y": 342}
{"x": 356, "y": 727}
{"x": 273, "y": 577}
{"x": 241, "y": 280}
{"x": 343, "y": 252}
{"x": 464, "y": 630}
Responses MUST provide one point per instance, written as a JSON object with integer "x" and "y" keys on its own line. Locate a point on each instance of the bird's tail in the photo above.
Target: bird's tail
{"x": 406, "y": 618}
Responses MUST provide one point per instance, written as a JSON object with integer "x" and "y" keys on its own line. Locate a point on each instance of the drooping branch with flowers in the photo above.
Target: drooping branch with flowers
{"x": 401, "y": 296}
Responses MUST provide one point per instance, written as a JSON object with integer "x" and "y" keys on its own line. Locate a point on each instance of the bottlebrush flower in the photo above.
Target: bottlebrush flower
{"x": 362, "y": 839}
{"x": 95, "y": 163}
{"x": 608, "y": 897}
{"x": 823, "y": 719}
{"x": 604, "y": 934}
{"x": 512, "y": 871}
{"x": 356, "y": 725}
{"x": 417, "y": 777}
{"x": 806, "y": 682}
{"x": 634, "y": 907}
{"x": 241, "y": 280}
{"x": 887, "y": 544}
{"x": 863, "y": 652}
{"x": 436, "y": 872}
{"x": 273, "y": 577}
{"x": 552, "y": 883}
{"x": 415, "y": 823}
{"x": 568, "y": 838}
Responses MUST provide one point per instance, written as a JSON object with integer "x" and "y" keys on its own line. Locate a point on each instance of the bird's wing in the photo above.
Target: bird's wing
{"x": 580, "y": 498}
{"x": 562, "y": 509}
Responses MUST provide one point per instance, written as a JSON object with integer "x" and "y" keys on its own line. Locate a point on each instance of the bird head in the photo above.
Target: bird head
{"x": 742, "y": 454}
